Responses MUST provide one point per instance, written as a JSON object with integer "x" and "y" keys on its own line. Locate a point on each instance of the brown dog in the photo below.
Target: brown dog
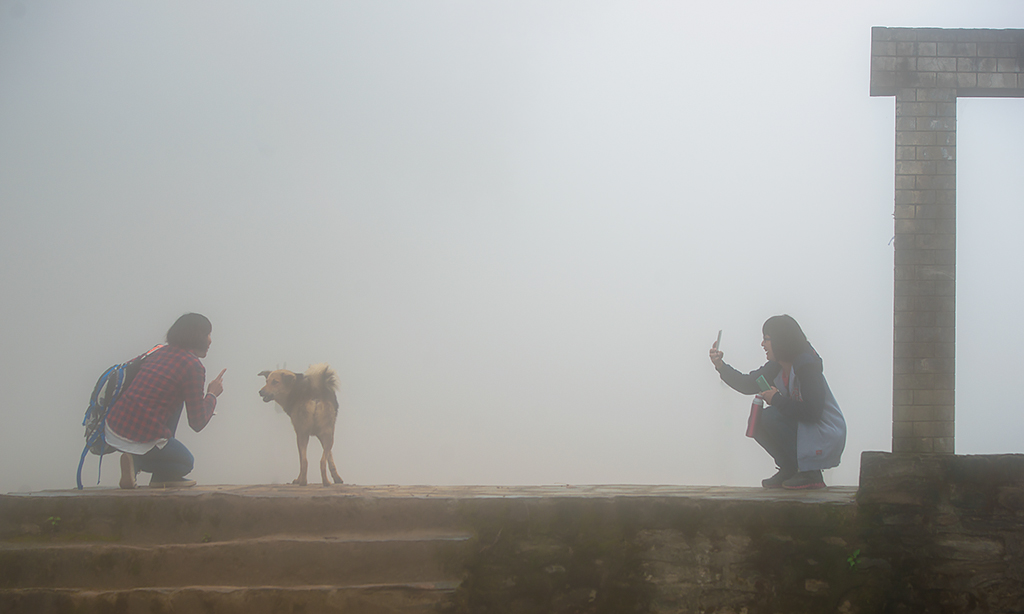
{"x": 310, "y": 401}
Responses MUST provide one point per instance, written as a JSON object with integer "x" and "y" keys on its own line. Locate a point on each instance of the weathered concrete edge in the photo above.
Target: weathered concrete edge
{"x": 834, "y": 494}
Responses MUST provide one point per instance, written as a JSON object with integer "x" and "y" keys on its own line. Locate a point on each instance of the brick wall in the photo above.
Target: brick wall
{"x": 927, "y": 69}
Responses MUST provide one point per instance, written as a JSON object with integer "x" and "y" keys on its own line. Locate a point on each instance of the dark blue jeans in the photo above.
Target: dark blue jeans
{"x": 167, "y": 464}
{"x": 777, "y": 435}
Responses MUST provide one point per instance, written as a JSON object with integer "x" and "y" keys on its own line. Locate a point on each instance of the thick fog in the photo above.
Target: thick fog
{"x": 513, "y": 228}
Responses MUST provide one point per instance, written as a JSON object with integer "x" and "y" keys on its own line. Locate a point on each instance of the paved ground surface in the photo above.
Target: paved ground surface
{"x": 832, "y": 494}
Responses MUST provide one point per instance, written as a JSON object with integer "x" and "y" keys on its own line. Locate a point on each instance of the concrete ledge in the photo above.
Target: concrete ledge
{"x": 832, "y": 494}
{"x": 924, "y": 532}
{"x": 603, "y": 548}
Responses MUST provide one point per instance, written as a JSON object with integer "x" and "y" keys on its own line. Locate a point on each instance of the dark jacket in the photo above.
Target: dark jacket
{"x": 821, "y": 428}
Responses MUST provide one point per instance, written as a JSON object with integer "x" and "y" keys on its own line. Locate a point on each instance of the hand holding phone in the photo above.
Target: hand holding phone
{"x": 714, "y": 353}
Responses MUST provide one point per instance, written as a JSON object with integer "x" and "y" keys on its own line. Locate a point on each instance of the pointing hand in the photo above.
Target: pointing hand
{"x": 217, "y": 385}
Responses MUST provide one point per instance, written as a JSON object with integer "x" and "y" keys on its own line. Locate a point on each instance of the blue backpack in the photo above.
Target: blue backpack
{"x": 109, "y": 387}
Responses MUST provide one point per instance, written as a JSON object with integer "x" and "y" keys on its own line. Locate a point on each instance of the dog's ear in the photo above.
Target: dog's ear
{"x": 263, "y": 374}
{"x": 299, "y": 376}
{"x": 288, "y": 377}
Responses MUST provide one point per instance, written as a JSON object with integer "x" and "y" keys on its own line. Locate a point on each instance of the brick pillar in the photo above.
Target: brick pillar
{"x": 924, "y": 315}
{"x": 927, "y": 69}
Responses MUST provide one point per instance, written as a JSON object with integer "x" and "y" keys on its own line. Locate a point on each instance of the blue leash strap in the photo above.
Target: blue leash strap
{"x": 81, "y": 461}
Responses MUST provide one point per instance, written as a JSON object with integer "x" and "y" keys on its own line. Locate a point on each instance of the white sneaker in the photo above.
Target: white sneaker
{"x": 172, "y": 484}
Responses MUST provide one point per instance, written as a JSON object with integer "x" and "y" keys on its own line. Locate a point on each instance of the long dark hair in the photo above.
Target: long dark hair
{"x": 788, "y": 340}
{"x": 189, "y": 332}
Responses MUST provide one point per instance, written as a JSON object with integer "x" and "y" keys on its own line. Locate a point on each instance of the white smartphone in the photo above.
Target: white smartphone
{"x": 718, "y": 344}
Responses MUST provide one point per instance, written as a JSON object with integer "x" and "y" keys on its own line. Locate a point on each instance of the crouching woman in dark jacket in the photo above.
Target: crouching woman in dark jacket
{"x": 801, "y": 427}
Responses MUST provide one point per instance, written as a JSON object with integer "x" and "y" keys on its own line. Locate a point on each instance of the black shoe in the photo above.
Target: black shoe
{"x": 776, "y": 480}
{"x": 805, "y": 480}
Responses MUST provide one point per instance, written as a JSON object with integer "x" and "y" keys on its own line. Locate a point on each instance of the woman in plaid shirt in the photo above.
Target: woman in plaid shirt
{"x": 142, "y": 422}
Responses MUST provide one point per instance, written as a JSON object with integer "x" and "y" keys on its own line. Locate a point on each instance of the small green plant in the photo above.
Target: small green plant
{"x": 52, "y": 525}
{"x": 207, "y": 538}
{"x": 854, "y": 558}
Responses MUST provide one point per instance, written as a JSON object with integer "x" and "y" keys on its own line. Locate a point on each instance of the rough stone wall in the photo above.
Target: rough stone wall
{"x": 926, "y": 533}
{"x": 929, "y": 533}
{"x": 949, "y": 529}
{"x": 927, "y": 69}
{"x": 668, "y": 555}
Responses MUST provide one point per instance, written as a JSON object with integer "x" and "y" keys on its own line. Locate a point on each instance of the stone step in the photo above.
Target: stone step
{"x": 554, "y": 548}
{"x": 281, "y": 561}
{"x": 194, "y": 516}
{"x": 370, "y": 599}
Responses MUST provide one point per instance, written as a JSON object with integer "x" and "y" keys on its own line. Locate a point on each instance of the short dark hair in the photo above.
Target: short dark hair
{"x": 788, "y": 340}
{"x": 189, "y": 332}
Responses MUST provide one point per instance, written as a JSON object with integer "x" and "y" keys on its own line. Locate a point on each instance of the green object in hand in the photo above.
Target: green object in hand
{"x": 763, "y": 384}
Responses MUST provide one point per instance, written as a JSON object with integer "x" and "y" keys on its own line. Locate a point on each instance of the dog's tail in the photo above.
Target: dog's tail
{"x": 323, "y": 380}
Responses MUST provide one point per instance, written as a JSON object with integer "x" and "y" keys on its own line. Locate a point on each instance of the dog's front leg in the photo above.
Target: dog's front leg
{"x": 303, "y": 442}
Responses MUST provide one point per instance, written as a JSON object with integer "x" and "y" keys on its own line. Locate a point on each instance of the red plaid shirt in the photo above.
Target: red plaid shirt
{"x": 169, "y": 377}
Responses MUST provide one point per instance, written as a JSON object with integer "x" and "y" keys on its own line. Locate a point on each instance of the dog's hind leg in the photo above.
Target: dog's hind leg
{"x": 327, "y": 460}
{"x": 303, "y": 442}
{"x": 334, "y": 470}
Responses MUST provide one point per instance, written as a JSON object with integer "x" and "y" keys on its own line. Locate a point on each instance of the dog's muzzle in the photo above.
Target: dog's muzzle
{"x": 266, "y": 397}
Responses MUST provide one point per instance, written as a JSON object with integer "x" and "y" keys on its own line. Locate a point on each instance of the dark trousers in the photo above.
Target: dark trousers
{"x": 167, "y": 464}
{"x": 777, "y": 435}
